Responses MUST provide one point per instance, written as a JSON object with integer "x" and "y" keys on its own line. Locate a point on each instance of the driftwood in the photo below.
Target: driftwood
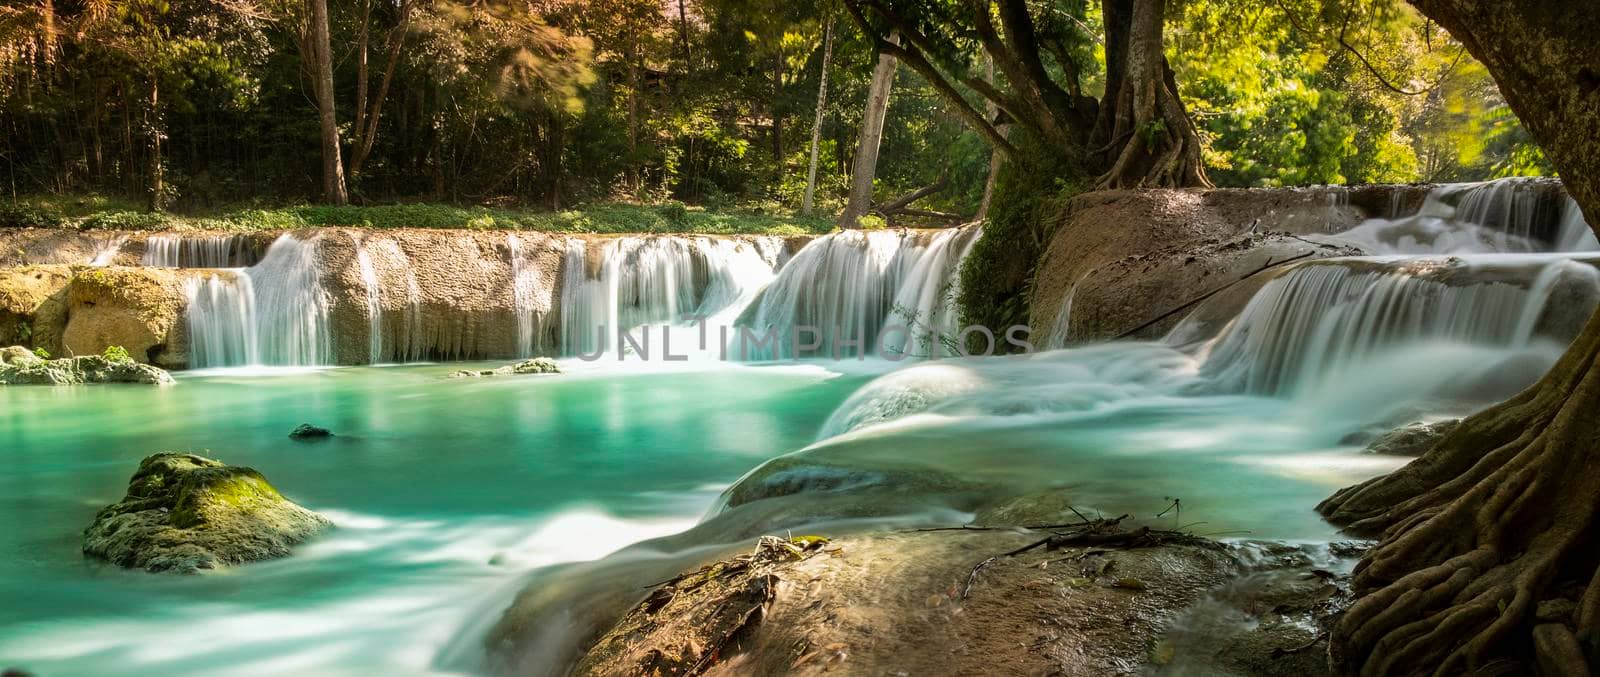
{"x": 899, "y": 204}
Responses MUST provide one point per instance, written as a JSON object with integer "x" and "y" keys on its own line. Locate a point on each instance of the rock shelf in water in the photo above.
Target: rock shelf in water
{"x": 185, "y": 513}
{"x": 19, "y": 366}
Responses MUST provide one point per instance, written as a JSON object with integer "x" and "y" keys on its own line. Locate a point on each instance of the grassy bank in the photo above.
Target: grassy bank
{"x": 96, "y": 212}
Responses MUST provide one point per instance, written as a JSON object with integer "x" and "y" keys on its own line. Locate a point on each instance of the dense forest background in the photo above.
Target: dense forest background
{"x": 552, "y": 103}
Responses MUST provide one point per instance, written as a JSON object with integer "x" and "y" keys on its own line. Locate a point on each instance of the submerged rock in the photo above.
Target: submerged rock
{"x": 306, "y": 431}
{"x": 185, "y": 513}
{"x": 1412, "y": 440}
{"x": 21, "y": 370}
{"x": 537, "y": 365}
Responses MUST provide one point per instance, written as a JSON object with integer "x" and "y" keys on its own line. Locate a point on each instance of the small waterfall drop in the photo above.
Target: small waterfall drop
{"x": 648, "y": 281}
{"x": 184, "y": 251}
{"x": 1575, "y": 234}
{"x": 369, "y": 278}
{"x": 106, "y": 250}
{"x": 1322, "y": 320}
{"x": 274, "y": 313}
{"x": 849, "y": 286}
{"x": 1504, "y": 215}
{"x": 523, "y": 286}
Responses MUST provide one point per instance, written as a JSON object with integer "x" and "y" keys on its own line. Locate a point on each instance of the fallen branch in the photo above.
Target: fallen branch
{"x": 899, "y": 204}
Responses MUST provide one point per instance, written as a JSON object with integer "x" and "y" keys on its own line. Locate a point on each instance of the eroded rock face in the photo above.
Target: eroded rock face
{"x": 33, "y": 305}
{"x": 18, "y": 369}
{"x": 140, "y": 309}
{"x": 1128, "y": 263}
{"x": 185, "y": 513}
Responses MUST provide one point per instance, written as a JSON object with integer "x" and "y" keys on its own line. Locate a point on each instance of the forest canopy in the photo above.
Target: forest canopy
{"x": 200, "y": 103}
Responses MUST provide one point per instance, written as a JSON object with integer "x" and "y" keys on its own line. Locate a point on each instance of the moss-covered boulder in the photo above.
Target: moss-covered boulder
{"x": 20, "y": 370}
{"x": 185, "y": 513}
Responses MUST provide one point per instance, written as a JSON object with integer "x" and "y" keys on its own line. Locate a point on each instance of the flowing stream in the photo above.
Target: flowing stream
{"x": 452, "y": 495}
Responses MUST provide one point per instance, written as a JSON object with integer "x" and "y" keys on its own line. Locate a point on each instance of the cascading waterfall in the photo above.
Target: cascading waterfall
{"x": 369, "y": 279}
{"x": 647, "y": 281}
{"x": 849, "y": 286}
{"x": 183, "y": 251}
{"x": 523, "y": 285}
{"x": 1321, "y": 320}
{"x": 106, "y": 250}
{"x": 1575, "y": 235}
{"x": 274, "y": 313}
{"x": 1504, "y": 215}
{"x": 222, "y": 321}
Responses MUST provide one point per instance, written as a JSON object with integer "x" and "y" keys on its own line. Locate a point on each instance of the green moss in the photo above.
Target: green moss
{"x": 203, "y": 489}
{"x": 997, "y": 276}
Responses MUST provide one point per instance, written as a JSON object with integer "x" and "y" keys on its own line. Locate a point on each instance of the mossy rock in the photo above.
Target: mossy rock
{"x": 79, "y": 370}
{"x": 185, "y": 513}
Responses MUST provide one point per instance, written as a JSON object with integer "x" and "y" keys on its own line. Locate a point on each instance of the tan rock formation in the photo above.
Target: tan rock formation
{"x": 140, "y": 309}
{"x": 33, "y": 306}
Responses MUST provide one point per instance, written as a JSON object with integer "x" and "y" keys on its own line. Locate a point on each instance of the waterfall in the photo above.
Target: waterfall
{"x": 647, "y": 281}
{"x": 849, "y": 286}
{"x": 369, "y": 279}
{"x": 1321, "y": 320}
{"x": 183, "y": 251}
{"x": 274, "y": 313}
{"x": 222, "y": 321}
{"x": 1504, "y": 215}
{"x": 524, "y": 284}
{"x": 1575, "y": 235}
{"x": 106, "y": 250}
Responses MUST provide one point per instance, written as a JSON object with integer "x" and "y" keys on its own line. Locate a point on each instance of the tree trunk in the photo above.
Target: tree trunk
{"x": 1484, "y": 533}
{"x": 322, "y": 77}
{"x": 816, "y": 124}
{"x": 777, "y": 114}
{"x": 156, "y": 192}
{"x": 634, "y": 180}
{"x": 1150, "y": 138}
{"x": 367, "y": 122}
{"x": 865, "y": 167}
{"x": 996, "y": 158}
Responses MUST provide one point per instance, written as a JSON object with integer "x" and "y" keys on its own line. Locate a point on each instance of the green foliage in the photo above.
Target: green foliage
{"x": 41, "y": 353}
{"x": 121, "y": 220}
{"x": 117, "y": 354}
{"x": 997, "y": 275}
{"x": 22, "y": 215}
{"x": 872, "y": 222}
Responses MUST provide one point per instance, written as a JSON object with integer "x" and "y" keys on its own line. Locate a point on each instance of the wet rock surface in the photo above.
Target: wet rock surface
{"x": 537, "y": 365}
{"x": 1411, "y": 440}
{"x": 308, "y": 432}
{"x": 185, "y": 514}
{"x": 27, "y": 369}
{"x": 954, "y": 602}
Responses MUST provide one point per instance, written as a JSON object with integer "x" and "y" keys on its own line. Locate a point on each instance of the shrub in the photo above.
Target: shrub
{"x": 19, "y": 215}
{"x": 674, "y": 212}
{"x": 117, "y": 354}
{"x": 41, "y": 353}
{"x": 872, "y": 222}
{"x": 126, "y": 221}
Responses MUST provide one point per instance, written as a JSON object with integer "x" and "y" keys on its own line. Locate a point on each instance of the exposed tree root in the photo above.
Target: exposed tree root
{"x": 1087, "y": 532}
{"x": 1496, "y": 519}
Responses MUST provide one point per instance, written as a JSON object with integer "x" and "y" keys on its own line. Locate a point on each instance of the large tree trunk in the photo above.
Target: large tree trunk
{"x": 996, "y": 158}
{"x": 1488, "y": 557}
{"x": 816, "y": 124}
{"x": 865, "y": 167}
{"x": 156, "y": 191}
{"x": 1151, "y": 140}
{"x": 322, "y": 77}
